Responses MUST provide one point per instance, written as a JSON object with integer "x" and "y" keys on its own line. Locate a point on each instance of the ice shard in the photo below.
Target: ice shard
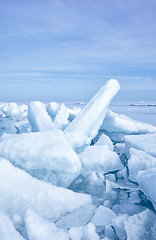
{"x": 115, "y": 122}
{"x": 45, "y": 155}
{"x": 139, "y": 160}
{"x": 19, "y": 192}
{"x": 39, "y": 228}
{"x": 147, "y": 182}
{"x": 39, "y": 119}
{"x": 143, "y": 142}
{"x": 85, "y": 126}
{"x": 7, "y": 229}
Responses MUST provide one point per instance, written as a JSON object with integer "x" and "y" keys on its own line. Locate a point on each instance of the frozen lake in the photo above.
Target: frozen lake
{"x": 140, "y": 111}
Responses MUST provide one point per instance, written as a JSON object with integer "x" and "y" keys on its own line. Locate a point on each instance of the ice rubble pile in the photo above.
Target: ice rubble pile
{"x": 72, "y": 174}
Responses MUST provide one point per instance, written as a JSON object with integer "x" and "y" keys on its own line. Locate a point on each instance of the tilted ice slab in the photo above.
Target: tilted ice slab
{"x": 7, "y": 229}
{"x": 39, "y": 228}
{"x": 147, "y": 182}
{"x": 139, "y": 160}
{"x": 141, "y": 226}
{"x": 61, "y": 118}
{"x": 73, "y": 112}
{"x": 118, "y": 225}
{"x": 77, "y": 218}
{"x": 105, "y": 140}
{"x": 114, "y": 122}
{"x": 19, "y": 191}
{"x": 85, "y": 126}
{"x": 56, "y": 110}
{"x": 100, "y": 158}
{"x": 103, "y": 216}
{"x": 143, "y": 142}
{"x": 38, "y": 117}
{"x": 45, "y": 155}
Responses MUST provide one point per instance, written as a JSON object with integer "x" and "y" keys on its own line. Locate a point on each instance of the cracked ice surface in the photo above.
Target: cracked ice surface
{"x": 109, "y": 197}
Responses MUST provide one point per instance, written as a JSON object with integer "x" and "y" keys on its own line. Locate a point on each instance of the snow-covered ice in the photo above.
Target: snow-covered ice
{"x": 100, "y": 158}
{"x": 103, "y": 216}
{"x": 119, "y": 148}
{"x": 114, "y": 122}
{"x": 46, "y": 155}
{"x": 73, "y": 112}
{"x": 12, "y": 109}
{"x": 61, "y": 117}
{"x": 19, "y": 192}
{"x": 85, "y": 126}
{"x": 103, "y": 193}
{"x": 86, "y": 232}
{"x": 139, "y": 160}
{"x": 143, "y": 142}
{"x": 38, "y": 228}
{"x": 38, "y": 117}
{"x": 105, "y": 140}
{"x": 7, "y": 229}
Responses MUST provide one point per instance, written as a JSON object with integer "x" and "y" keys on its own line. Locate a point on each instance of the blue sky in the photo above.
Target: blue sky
{"x": 65, "y": 50}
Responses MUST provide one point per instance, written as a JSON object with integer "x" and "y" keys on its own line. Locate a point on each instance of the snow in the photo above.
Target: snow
{"x": 139, "y": 160}
{"x": 114, "y": 122}
{"x": 7, "y": 229}
{"x": 46, "y": 155}
{"x": 100, "y": 158}
{"x": 85, "y": 126}
{"x": 147, "y": 182}
{"x": 89, "y": 232}
{"x": 19, "y": 192}
{"x": 40, "y": 229}
{"x": 141, "y": 226}
{"x": 38, "y": 117}
{"x": 105, "y": 140}
{"x": 143, "y": 142}
{"x": 75, "y": 233}
{"x": 103, "y": 216}
{"x": 86, "y": 232}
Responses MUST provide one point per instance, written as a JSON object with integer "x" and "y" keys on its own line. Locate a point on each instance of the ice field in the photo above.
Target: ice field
{"x": 74, "y": 171}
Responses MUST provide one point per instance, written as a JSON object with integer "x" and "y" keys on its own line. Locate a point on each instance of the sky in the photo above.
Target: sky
{"x": 66, "y": 50}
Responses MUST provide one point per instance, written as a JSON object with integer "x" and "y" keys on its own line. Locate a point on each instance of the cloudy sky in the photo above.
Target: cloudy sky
{"x": 65, "y": 50}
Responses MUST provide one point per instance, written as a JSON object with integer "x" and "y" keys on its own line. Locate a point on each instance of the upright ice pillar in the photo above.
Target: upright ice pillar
{"x": 85, "y": 126}
{"x": 38, "y": 117}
